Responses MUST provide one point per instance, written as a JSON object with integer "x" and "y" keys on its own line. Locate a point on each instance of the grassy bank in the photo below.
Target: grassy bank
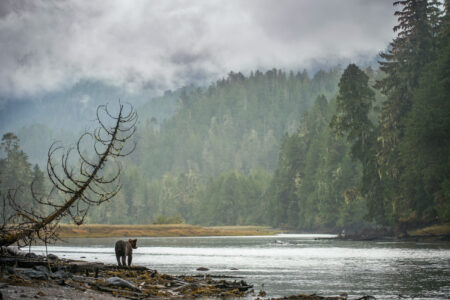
{"x": 441, "y": 230}
{"x": 153, "y": 230}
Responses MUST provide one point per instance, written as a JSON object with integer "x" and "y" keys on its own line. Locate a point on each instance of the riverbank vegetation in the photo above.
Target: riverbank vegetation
{"x": 442, "y": 230}
{"x": 158, "y": 230}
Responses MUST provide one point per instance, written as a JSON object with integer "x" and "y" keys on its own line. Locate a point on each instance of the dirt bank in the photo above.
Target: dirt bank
{"x": 154, "y": 230}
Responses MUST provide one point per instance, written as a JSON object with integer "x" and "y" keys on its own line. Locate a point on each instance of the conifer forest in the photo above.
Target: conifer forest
{"x": 345, "y": 145}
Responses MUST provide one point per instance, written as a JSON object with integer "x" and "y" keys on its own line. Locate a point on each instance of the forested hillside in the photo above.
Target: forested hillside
{"x": 351, "y": 163}
{"x": 217, "y": 152}
{"x": 338, "y": 149}
{"x": 373, "y": 153}
{"x": 399, "y": 167}
{"x": 235, "y": 123}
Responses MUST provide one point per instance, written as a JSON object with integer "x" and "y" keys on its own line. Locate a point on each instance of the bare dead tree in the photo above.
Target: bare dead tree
{"x": 92, "y": 180}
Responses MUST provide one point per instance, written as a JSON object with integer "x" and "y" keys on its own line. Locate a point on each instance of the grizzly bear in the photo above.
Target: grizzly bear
{"x": 123, "y": 249}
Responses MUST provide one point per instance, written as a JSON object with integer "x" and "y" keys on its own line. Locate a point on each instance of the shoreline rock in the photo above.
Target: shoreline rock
{"x": 39, "y": 277}
{"x": 131, "y": 283}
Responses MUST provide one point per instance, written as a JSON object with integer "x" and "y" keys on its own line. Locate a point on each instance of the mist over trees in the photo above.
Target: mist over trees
{"x": 398, "y": 172}
{"x": 219, "y": 141}
{"x": 338, "y": 149}
{"x": 327, "y": 156}
{"x": 16, "y": 172}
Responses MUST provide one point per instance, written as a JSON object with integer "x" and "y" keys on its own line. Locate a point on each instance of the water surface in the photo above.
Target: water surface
{"x": 290, "y": 264}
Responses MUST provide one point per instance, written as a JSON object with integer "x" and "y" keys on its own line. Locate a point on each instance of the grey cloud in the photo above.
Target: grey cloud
{"x": 14, "y": 6}
{"x": 329, "y": 27}
{"x": 159, "y": 45}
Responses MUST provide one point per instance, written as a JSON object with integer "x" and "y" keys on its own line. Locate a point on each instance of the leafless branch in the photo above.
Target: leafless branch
{"x": 94, "y": 181}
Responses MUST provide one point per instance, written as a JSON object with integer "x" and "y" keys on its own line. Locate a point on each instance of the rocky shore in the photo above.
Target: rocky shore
{"x": 27, "y": 275}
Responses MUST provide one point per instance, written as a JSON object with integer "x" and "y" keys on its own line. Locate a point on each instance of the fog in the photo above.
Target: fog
{"x": 153, "y": 46}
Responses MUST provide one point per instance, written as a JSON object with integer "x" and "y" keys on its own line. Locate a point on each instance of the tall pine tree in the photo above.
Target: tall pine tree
{"x": 354, "y": 104}
{"x": 403, "y": 63}
{"x": 426, "y": 146}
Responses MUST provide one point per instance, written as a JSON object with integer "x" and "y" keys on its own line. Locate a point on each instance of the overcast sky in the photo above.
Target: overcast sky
{"x": 163, "y": 44}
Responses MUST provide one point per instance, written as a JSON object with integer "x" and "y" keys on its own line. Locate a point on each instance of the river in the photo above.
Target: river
{"x": 288, "y": 264}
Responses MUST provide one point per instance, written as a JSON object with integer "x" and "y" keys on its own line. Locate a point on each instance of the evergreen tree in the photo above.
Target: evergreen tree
{"x": 16, "y": 174}
{"x": 403, "y": 63}
{"x": 314, "y": 174}
{"x": 354, "y": 105}
{"x": 16, "y": 170}
{"x": 425, "y": 148}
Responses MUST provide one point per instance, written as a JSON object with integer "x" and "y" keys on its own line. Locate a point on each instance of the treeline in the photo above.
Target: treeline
{"x": 333, "y": 151}
{"x": 356, "y": 158}
{"x": 411, "y": 142}
{"x": 18, "y": 177}
{"x": 316, "y": 183}
{"x": 359, "y": 164}
{"x": 212, "y": 162}
{"x": 236, "y": 123}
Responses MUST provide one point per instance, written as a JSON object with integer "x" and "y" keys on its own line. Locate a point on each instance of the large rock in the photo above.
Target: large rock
{"x": 43, "y": 269}
{"x": 34, "y": 274}
{"x": 31, "y": 255}
{"x": 15, "y": 251}
{"x": 61, "y": 274}
{"x": 119, "y": 282}
{"x": 52, "y": 257}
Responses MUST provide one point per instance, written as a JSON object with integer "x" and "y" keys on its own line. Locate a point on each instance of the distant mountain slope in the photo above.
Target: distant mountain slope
{"x": 63, "y": 115}
{"x": 236, "y": 123}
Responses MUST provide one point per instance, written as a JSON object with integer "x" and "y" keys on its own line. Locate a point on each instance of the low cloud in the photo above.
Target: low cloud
{"x": 158, "y": 45}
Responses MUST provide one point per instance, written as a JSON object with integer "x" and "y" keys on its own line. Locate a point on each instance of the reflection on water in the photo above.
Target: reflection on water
{"x": 291, "y": 264}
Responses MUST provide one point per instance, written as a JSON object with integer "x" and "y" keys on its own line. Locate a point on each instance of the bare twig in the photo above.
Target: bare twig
{"x": 94, "y": 181}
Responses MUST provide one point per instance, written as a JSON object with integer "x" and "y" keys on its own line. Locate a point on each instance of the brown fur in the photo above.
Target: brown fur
{"x": 123, "y": 249}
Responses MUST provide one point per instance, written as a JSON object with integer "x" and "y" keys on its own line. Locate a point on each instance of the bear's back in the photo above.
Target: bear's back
{"x": 123, "y": 248}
